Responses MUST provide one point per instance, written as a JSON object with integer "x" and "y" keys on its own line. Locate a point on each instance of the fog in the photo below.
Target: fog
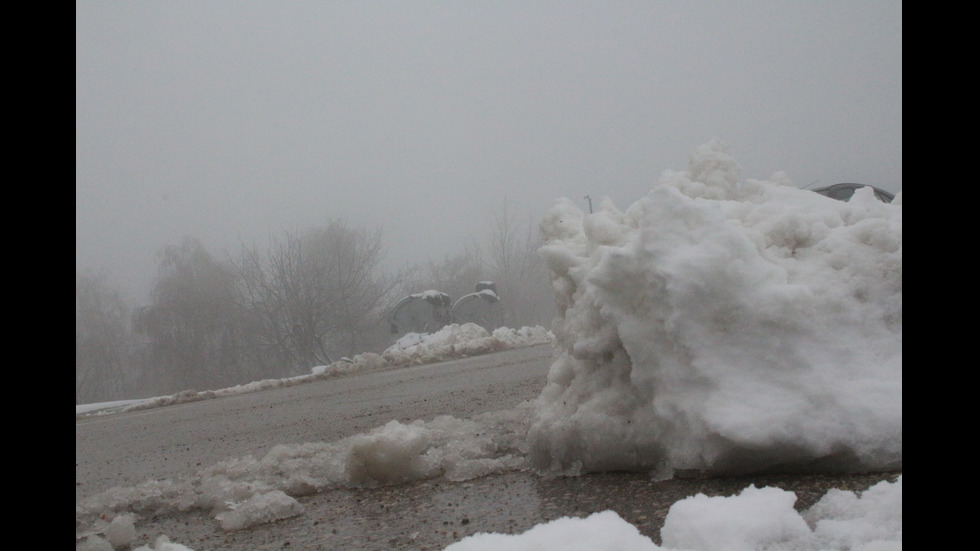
{"x": 713, "y": 327}
{"x": 227, "y": 121}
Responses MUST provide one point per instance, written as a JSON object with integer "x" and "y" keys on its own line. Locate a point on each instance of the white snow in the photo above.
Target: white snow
{"x": 715, "y": 325}
{"x": 755, "y": 519}
{"x": 724, "y": 327}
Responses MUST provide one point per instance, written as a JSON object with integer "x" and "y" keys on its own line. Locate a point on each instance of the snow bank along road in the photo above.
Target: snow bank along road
{"x": 124, "y": 449}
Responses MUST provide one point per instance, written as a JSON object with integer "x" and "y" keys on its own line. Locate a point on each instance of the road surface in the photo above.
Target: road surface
{"x": 125, "y": 449}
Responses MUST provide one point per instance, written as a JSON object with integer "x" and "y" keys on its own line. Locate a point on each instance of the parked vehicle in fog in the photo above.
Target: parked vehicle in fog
{"x": 844, "y": 192}
{"x": 429, "y": 311}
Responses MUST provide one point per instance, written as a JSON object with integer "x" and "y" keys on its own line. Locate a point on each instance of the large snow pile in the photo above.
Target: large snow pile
{"x": 724, "y": 326}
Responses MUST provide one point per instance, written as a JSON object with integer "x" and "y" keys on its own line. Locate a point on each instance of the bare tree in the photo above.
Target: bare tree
{"x": 456, "y": 275}
{"x": 194, "y": 327}
{"x": 102, "y": 339}
{"x": 520, "y": 275}
{"x": 316, "y": 295}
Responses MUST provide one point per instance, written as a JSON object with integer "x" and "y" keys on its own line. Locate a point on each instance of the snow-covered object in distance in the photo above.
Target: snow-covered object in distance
{"x": 424, "y": 312}
{"x": 481, "y": 307}
{"x": 844, "y": 192}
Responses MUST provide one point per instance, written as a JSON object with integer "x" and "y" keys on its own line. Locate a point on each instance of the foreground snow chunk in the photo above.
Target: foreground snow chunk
{"x": 605, "y": 531}
{"x": 757, "y": 519}
{"x": 163, "y": 543}
{"x": 872, "y": 519}
{"x": 259, "y": 509}
{"x": 764, "y": 518}
{"x": 121, "y": 531}
{"x": 391, "y": 455}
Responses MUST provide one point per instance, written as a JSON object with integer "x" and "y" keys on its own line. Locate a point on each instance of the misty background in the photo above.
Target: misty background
{"x": 218, "y": 143}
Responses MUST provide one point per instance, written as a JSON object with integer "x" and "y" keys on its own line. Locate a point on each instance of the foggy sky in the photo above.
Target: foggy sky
{"x": 230, "y": 119}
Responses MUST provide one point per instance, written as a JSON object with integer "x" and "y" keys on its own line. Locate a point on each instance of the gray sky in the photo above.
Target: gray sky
{"x": 226, "y": 120}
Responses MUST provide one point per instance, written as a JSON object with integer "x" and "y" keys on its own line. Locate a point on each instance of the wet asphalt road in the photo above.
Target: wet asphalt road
{"x": 125, "y": 449}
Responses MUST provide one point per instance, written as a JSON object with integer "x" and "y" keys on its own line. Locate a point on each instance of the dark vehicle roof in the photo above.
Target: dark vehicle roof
{"x": 844, "y": 192}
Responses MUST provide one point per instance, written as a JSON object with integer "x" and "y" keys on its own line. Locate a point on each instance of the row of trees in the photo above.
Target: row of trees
{"x": 307, "y": 298}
